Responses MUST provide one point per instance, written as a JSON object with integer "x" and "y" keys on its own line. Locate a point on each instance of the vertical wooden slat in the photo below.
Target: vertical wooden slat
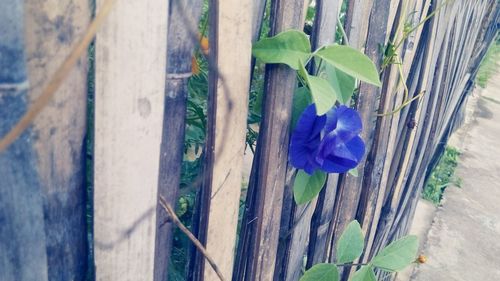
{"x": 409, "y": 210}
{"x": 357, "y": 21}
{"x": 321, "y": 226}
{"x": 52, "y": 29}
{"x": 22, "y": 237}
{"x": 455, "y": 92}
{"x": 367, "y": 104}
{"x": 260, "y": 229}
{"x": 182, "y": 35}
{"x": 259, "y": 8}
{"x": 229, "y": 81}
{"x": 429, "y": 65}
{"x": 295, "y": 228}
{"x": 375, "y": 188}
{"x": 130, "y": 80}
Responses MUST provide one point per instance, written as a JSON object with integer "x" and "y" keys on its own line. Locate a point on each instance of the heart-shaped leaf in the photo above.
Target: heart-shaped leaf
{"x": 397, "y": 255}
{"x": 342, "y": 83}
{"x": 321, "y": 91}
{"x": 288, "y": 47}
{"x": 306, "y": 187}
{"x": 321, "y": 272}
{"x": 364, "y": 274}
{"x": 352, "y": 62}
{"x": 350, "y": 244}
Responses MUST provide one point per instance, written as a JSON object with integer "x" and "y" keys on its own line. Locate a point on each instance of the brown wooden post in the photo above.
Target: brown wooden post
{"x": 260, "y": 227}
{"x": 182, "y": 38}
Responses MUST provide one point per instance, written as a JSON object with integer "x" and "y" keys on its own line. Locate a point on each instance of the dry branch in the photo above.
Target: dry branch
{"x": 191, "y": 237}
{"x": 58, "y": 78}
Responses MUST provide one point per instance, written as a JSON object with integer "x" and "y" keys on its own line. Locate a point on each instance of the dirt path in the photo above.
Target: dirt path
{"x": 464, "y": 239}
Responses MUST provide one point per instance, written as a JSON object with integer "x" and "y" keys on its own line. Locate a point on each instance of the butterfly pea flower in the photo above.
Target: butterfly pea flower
{"x": 328, "y": 142}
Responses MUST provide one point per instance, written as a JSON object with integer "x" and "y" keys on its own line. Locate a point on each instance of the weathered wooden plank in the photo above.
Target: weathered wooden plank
{"x": 389, "y": 212}
{"x": 377, "y": 157}
{"x": 346, "y": 202}
{"x": 296, "y": 220}
{"x": 286, "y": 254}
{"x": 259, "y": 8}
{"x": 22, "y": 236}
{"x": 392, "y": 97}
{"x": 404, "y": 206}
{"x": 182, "y": 35}
{"x": 321, "y": 226}
{"x": 53, "y": 27}
{"x": 130, "y": 81}
{"x": 367, "y": 104}
{"x": 322, "y": 223}
{"x": 325, "y": 22}
{"x": 229, "y": 81}
{"x": 357, "y": 21}
{"x": 260, "y": 226}
{"x": 435, "y": 140}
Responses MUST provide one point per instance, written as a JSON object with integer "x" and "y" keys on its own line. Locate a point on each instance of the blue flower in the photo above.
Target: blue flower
{"x": 328, "y": 142}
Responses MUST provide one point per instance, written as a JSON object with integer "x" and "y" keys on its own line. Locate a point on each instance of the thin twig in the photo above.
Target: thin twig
{"x": 190, "y": 235}
{"x": 59, "y": 76}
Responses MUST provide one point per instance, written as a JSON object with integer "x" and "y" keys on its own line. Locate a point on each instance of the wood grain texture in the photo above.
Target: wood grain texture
{"x": 323, "y": 223}
{"x": 22, "y": 235}
{"x": 52, "y": 29}
{"x": 351, "y": 187}
{"x": 296, "y": 230}
{"x": 182, "y": 38}
{"x": 427, "y": 72}
{"x": 357, "y": 21}
{"x": 386, "y": 133}
{"x": 130, "y": 81}
{"x": 229, "y": 81}
{"x": 260, "y": 227}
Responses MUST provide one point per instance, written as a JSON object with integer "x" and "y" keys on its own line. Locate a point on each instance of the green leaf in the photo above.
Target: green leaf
{"x": 352, "y": 62}
{"x": 322, "y": 93}
{"x": 288, "y": 47}
{"x": 342, "y": 84}
{"x": 397, "y": 255}
{"x": 364, "y": 274}
{"x": 350, "y": 244}
{"x": 354, "y": 172}
{"x": 321, "y": 272}
{"x": 306, "y": 187}
{"x": 301, "y": 99}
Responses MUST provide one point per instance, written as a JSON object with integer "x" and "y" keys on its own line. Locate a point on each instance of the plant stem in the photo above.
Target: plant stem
{"x": 344, "y": 35}
{"x": 352, "y": 264}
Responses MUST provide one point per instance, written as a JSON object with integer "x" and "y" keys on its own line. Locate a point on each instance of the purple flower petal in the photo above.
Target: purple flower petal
{"x": 340, "y": 149}
{"x": 345, "y": 121}
{"x": 344, "y": 156}
{"x": 305, "y": 140}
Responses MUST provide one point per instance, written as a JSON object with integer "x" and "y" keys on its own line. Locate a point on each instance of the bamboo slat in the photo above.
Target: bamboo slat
{"x": 260, "y": 226}
{"x": 23, "y": 254}
{"x": 130, "y": 81}
{"x": 182, "y": 38}
{"x": 230, "y": 55}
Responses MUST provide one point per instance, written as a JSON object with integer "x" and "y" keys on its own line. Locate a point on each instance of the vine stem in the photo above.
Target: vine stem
{"x": 352, "y": 264}
{"x": 341, "y": 27}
